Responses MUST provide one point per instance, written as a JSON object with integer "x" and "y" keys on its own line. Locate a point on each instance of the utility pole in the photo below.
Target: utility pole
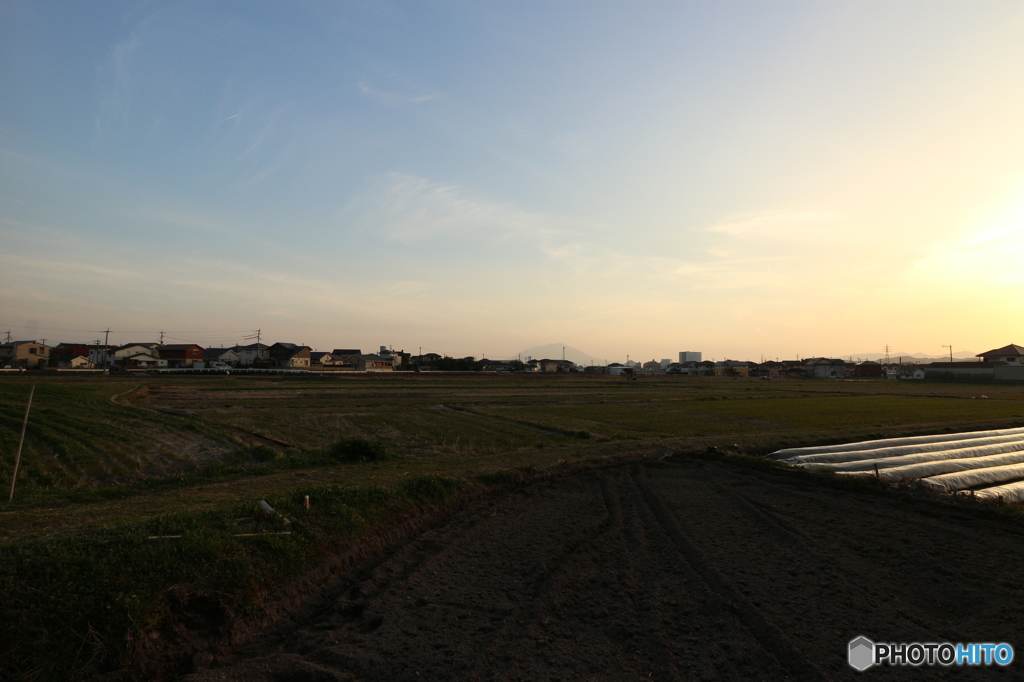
{"x": 106, "y": 343}
{"x": 161, "y": 337}
{"x": 950, "y": 347}
{"x": 256, "y": 355}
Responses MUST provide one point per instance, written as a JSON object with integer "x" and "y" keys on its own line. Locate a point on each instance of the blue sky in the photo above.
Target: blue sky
{"x": 741, "y": 178}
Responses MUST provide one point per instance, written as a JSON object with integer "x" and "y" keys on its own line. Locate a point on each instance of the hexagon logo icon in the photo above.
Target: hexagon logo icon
{"x": 862, "y": 653}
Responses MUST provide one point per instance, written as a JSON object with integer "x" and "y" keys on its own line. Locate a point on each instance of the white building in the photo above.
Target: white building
{"x": 121, "y": 354}
{"x": 689, "y": 356}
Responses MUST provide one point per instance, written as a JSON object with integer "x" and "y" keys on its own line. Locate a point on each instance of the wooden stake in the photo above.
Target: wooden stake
{"x": 17, "y": 458}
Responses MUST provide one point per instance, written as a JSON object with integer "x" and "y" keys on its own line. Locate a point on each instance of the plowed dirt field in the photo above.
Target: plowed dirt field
{"x": 665, "y": 571}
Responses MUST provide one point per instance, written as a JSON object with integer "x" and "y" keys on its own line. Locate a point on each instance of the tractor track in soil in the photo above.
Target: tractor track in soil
{"x": 679, "y": 570}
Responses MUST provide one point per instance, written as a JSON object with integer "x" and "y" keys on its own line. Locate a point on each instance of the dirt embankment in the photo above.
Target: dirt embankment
{"x": 673, "y": 571}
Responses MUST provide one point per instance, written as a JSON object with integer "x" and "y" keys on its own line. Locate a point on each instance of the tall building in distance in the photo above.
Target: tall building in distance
{"x": 689, "y": 356}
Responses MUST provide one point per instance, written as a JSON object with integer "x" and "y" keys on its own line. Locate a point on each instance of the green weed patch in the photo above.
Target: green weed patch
{"x": 87, "y": 603}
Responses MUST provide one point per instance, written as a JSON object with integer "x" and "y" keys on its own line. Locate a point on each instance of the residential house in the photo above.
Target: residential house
{"x": 500, "y": 365}
{"x": 290, "y": 355}
{"x": 180, "y": 355}
{"x": 773, "y": 369}
{"x": 1007, "y": 355}
{"x": 689, "y": 369}
{"x": 101, "y": 354}
{"x": 399, "y": 358}
{"x": 346, "y": 358}
{"x": 869, "y": 369}
{"x": 371, "y": 363}
{"x": 63, "y": 354}
{"x": 824, "y": 368}
{"x": 320, "y": 359}
{"x": 24, "y": 355}
{"x": 999, "y": 364}
{"x": 227, "y": 356}
{"x": 144, "y": 361}
{"x": 120, "y": 354}
{"x": 253, "y": 354}
{"x": 793, "y": 369}
{"x": 617, "y": 369}
{"x": 77, "y": 362}
{"x": 426, "y": 359}
{"x": 732, "y": 368}
{"x": 655, "y": 367}
{"x": 548, "y": 366}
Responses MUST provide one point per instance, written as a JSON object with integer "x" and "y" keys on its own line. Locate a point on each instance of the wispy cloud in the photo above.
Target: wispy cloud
{"x": 117, "y": 75}
{"x": 774, "y": 226}
{"x": 69, "y": 269}
{"x": 408, "y": 210}
{"x": 769, "y": 249}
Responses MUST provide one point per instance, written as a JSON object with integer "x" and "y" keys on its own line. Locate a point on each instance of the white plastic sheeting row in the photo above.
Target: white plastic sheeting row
{"x": 943, "y": 466}
{"x": 899, "y": 450}
{"x": 892, "y": 442}
{"x": 1012, "y": 492}
{"x": 948, "y": 463}
{"x": 974, "y": 478}
{"x": 904, "y": 460}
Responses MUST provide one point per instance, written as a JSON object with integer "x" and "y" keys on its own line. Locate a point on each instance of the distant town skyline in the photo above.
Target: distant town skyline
{"x": 552, "y": 350}
{"x": 745, "y": 179}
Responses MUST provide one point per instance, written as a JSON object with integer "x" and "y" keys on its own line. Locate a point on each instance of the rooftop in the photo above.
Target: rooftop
{"x": 1012, "y": 349}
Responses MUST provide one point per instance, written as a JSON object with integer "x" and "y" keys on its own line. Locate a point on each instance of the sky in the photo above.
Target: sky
{"x": 745, "y": 179}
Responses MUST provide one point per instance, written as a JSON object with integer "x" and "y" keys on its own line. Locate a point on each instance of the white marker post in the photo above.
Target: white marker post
{"x": 17, "y": 458}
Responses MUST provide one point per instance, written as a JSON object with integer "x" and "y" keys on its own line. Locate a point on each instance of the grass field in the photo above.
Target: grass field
{"x": 88, "y": 433}
{"x": 110, "y": 461}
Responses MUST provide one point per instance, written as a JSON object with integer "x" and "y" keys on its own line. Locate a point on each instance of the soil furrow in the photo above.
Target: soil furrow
{"x": 770, "y": 637}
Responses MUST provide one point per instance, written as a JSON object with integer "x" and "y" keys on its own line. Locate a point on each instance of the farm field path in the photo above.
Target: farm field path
{"x": 679, "y": 570}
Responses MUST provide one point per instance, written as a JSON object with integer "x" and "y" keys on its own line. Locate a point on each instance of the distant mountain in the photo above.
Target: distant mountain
{"x": 894, "y": 356}
{"x": 553, "y": 351}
